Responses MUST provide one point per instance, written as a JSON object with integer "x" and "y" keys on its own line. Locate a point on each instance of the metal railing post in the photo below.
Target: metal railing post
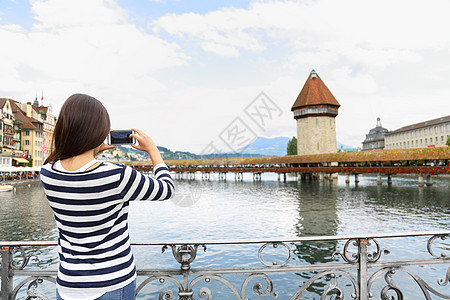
{"x": 362, "y": 270}
{"x": 7, "y": 278}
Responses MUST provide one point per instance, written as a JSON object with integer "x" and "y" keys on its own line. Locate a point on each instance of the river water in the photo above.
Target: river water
{"x": 270, "y": 209}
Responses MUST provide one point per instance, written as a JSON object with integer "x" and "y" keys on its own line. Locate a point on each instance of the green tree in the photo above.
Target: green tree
{"x": 448, "y": 141}
{"x": 292, "y": 146}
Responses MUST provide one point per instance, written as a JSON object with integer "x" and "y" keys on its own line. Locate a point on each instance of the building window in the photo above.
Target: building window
{"x": 436, "y": 139}
{"x": 26, "y": 133}
{"x": 417, "y": 143}
{"x": 426, "y": 141}
{"x": 421, "y": 144}
{"x": 26, "y": 142}
{"x": 442, "y": 128}
{"x": 435, "y": 129}
{"x": 442, "y": 139}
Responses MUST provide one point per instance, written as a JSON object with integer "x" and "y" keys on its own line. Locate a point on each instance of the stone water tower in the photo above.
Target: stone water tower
{"x": 315, "y": 111}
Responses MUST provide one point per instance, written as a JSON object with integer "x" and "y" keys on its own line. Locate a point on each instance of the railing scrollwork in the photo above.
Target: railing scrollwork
{"x": 433, "y": 239}
{"x": 389, "y": 273}
{"x": 17, "y": 264}
{"x": 353, "y": 257}
{"x": 355, "y": 271}
{"x": 274, "y": 245}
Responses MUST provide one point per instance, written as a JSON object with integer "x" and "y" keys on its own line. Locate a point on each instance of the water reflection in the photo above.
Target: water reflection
{"x": 317, "y": 217}
{"x": 26, "y": 215}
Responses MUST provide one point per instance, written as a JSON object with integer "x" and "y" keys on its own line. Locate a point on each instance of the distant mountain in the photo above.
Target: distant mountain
{"x": 267, "y": 147}
{"x": 345, "y": 147}
{"x": 260, "y": 147}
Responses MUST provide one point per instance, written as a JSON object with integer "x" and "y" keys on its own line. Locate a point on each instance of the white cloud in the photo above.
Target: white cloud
{"x": 350, "y": 83}
{"x": 220, "y": 49}
{"x": 365, "y": 51}
{"x": 374, "y": 33}
{"x": 362, "y": 50}
{"x": 82, "y": 45}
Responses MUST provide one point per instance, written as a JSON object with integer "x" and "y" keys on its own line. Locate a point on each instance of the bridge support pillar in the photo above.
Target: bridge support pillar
{"x": 428, "y": 181}
{"x": 284, "y": 177}
{"x": 223, "y": 176}
{"x": 420, "y": 180}
{"x": 256, "y": 176}
{"x": 238, "y": 176}
{"x": 205, "y": 176}
{"x": 320, "y": 177}
{"x": 347, "y": 178}
{"x": 379, "y": 179}
{"x": 389, "y": 179}
{"x": 356, "y": 178}
{"x": 278, "y": 176}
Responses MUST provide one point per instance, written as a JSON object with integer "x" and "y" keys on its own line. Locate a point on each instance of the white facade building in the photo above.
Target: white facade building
{"x": 432, "y": 133}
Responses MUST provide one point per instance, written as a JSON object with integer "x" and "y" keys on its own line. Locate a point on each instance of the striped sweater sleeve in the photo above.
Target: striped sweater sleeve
{"x": 137, "y": 186}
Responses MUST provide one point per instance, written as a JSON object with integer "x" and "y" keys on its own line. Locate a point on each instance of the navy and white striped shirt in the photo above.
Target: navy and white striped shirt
{"x": 91, "y": 211}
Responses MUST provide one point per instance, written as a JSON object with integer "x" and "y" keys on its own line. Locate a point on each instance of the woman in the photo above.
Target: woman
{"x": 90, "y": 200}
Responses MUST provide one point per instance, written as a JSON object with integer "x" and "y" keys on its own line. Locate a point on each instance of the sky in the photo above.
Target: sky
{"x": 206, "y": 76}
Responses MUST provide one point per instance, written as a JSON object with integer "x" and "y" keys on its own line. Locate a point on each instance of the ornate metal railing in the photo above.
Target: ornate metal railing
{"x": 354, "y": 272}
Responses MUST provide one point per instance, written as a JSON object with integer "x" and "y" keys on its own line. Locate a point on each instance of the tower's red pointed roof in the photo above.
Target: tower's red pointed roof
{"x": 314, "y": 93}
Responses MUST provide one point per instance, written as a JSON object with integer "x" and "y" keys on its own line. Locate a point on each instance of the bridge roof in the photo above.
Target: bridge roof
{"x": 314, "y": 93}
{"x": 349, "y": 157}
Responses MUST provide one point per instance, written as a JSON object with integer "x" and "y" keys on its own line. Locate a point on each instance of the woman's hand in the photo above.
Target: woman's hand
{"x": 146, "y": 144}
{"x": 104, "y": 147}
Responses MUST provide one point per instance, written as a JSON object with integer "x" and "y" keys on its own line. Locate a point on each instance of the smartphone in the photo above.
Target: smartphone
{"x": 120, "y": 137}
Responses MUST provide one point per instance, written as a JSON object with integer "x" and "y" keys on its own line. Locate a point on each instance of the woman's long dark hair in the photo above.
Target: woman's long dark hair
{"x": 82, "y": 125}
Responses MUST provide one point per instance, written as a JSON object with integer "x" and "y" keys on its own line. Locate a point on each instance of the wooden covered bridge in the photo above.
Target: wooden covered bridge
{"x": 424, "y": 162}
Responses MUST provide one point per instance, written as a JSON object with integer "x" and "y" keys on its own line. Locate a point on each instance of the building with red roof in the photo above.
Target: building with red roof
{"x": 431, "y": 133}
{"x": 32, "y": 133}
{"x": 315, "y": 110}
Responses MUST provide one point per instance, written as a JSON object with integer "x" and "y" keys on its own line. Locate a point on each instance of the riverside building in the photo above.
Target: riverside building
{"x": 7, "y": 126}
{"x": 32, "y": 137}
{"x": 432, "y": 133}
